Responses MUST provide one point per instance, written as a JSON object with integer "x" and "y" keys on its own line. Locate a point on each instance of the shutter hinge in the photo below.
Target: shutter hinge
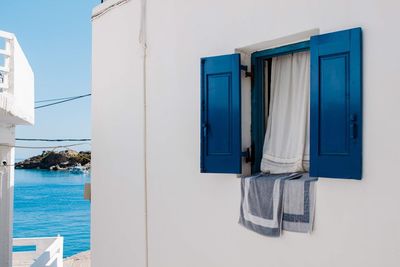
{"x": 247, "y": 155}
{"x": 246, "y": 72}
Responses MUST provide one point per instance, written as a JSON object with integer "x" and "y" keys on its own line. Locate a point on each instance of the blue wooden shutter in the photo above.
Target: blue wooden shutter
{"x": 221, "y": 114}
{"x": 336, "y": 105}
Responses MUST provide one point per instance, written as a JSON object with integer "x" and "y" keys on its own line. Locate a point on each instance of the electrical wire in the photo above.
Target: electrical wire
{"x": 101, "y": 13}
{"x": 44, "y": 147}
{"x": 143, "y": 42}
{"x": 62, "y": 101}
{"x": 54, "y": 140}
{"x": 54, "y": 99}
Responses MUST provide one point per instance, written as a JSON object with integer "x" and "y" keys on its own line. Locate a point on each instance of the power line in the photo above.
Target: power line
{"x": 44, "y": 147}
{"x": 62, "y": 101}
{"x": 57, "y": 99}
{"x": 54, "y": 99}
{"x": 54, "y": 140}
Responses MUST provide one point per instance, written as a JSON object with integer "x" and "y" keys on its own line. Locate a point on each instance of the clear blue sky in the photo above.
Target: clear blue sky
{"x": 56, "y": 38}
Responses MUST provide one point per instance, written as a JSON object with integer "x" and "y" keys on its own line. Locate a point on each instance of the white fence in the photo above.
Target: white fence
{"x": 48, "y": 252}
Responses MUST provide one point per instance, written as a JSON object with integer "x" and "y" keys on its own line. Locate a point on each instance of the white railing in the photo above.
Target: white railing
{"x": 16, "y": 82}
{"x": 48, "y": 252}
{"x": 6, "y": 54}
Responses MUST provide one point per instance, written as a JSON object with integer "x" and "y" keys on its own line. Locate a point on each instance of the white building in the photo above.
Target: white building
{"x": 151, "y": 204}
{"x": 17, "y": 108}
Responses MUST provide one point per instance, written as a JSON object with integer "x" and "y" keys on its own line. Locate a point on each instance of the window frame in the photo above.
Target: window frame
{"x": 258, "y": 126}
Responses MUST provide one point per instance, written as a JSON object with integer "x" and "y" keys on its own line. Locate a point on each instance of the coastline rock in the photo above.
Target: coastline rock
{"x": 61, "y": 160}
{"x": 78, "y": 260}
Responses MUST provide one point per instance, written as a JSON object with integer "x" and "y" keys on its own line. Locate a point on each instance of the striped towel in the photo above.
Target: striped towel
{"x": 299, "y": 204}
{"x": 261, "y": 205}
{"x": 272, "y": 201}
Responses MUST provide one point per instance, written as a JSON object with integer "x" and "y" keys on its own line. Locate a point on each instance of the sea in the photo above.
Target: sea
{"x": 50, "y": 203}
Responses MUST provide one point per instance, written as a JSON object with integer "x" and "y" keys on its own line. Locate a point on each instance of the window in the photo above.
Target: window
{"x": 335, "y": 107}
{"x": 259, "y": 108}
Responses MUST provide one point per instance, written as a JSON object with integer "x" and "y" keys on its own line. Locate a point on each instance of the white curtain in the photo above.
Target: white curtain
{"x": 286, "y": 143}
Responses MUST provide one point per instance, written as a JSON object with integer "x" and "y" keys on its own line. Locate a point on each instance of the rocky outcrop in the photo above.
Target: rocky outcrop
{"x": 52, "y": 160}
{"x": 78, "y": 260}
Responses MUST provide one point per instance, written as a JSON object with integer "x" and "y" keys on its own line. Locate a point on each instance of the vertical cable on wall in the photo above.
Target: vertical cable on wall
{"x": 143, "y": 42}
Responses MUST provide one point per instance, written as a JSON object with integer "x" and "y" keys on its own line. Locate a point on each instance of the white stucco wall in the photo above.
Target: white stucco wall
{"x": 16, "y": 108}
{"x": 7, "y": 154}
{"x": 24, "y": 86}
{"x": 117, "y": 106}
{"x": 192, "y": 217}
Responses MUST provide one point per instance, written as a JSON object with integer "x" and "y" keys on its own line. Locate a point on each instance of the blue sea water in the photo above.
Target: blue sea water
{"x": 48, "y": 203}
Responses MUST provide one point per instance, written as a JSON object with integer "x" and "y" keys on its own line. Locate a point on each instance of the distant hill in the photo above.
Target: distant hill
{"x": 57, "y": 160}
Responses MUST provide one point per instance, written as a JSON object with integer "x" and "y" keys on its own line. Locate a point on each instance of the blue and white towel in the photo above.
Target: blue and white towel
{"x": 299, "y": 204}
{"x": 261, "y": 205}
{"x": 270, "y": 201}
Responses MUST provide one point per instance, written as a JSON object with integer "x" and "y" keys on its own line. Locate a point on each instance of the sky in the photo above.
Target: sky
{"x": 56, "y": 39}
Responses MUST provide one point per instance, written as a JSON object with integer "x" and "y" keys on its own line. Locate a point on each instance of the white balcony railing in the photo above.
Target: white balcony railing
{"x": 48, "y": 252}
{"x": 16, "y": 83}
{"x": 5, "y": 66}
